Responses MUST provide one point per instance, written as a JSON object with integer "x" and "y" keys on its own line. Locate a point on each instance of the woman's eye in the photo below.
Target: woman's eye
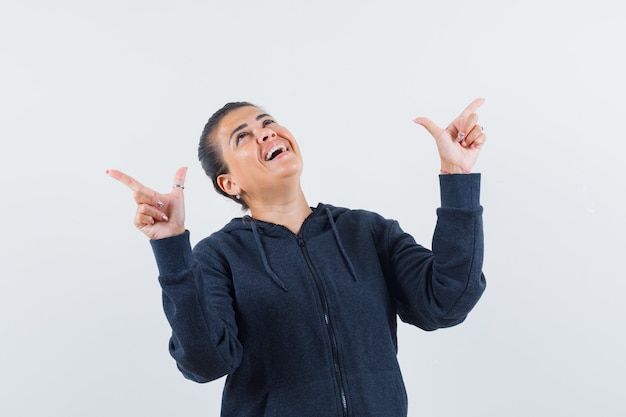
{"x": 267, "y": 122}
{"x": 240, "y": 138}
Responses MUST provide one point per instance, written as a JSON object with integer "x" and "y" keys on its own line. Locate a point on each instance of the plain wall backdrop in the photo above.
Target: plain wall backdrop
{"x": 87, "y": 85}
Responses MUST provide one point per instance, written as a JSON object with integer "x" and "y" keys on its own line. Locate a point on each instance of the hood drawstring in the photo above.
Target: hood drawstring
{"x": 341, "y": 249}
{"x": 266, "y": 264}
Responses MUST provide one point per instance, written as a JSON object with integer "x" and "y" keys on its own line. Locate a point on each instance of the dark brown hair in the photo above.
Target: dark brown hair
{"x": 209, "y": 152}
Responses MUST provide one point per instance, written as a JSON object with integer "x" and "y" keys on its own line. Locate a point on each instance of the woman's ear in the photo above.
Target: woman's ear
{"x": 227, "y": 184}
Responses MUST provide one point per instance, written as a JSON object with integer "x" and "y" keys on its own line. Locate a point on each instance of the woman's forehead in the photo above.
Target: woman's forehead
{"x": 237, "y": 118}
{"x": 243, "y": 113}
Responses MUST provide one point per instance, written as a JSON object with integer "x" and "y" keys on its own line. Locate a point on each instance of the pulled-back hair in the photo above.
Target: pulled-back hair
{"x": 210, "y": 153}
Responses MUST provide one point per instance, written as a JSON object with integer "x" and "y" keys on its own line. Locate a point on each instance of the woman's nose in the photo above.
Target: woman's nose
{"x": 265, "y": 135}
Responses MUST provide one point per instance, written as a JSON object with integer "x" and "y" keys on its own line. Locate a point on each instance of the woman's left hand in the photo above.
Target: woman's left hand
{"x": 460, "y": 143}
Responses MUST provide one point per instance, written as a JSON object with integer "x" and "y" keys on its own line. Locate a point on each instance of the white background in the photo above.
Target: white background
{"x": 87, "y": 86}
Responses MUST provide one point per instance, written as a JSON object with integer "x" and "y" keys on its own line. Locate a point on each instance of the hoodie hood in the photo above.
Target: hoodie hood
{"x": 322, "y": 219}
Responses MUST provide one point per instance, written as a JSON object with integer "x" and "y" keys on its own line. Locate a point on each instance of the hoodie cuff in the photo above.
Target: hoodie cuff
{"x": 173, "y": 254}
{"x": 460, "y": 190}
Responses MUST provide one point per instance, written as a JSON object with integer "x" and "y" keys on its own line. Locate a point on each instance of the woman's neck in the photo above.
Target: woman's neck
{"x": 288, "y": 213}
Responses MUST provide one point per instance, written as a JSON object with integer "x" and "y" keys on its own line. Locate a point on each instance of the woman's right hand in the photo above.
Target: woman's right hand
{"x": 158, "y": 215}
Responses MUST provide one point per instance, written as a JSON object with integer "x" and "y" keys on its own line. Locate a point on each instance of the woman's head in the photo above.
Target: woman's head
{"x": 247, "y": 154}
{"x": 209, "y": 151}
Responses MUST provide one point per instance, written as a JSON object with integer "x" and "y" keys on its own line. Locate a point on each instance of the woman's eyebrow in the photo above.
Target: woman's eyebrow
{"x": 237, "y": 129}
{"x": 244, "y": 125}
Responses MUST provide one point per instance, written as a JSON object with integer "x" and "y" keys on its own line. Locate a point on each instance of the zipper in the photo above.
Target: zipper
{"x": 329, "y": 326}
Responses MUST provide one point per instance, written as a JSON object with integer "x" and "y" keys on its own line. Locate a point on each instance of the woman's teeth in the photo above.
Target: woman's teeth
{"x": 275, "y": 151}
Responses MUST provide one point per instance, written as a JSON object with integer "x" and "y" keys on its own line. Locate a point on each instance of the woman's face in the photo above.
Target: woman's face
{"x": 262, "y": 156}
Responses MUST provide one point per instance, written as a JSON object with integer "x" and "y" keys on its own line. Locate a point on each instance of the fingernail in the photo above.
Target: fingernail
{"x": 165, "y": 218}
{"x": 160, "y": 203}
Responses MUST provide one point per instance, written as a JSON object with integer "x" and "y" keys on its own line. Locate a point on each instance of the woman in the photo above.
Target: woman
{"x": 298, "y": 305}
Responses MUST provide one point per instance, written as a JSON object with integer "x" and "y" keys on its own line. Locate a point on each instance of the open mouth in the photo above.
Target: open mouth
{"x": 275, "y": 151}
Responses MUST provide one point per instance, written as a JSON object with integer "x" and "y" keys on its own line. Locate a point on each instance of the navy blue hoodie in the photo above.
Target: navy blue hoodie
{"x": 305, "y": 324}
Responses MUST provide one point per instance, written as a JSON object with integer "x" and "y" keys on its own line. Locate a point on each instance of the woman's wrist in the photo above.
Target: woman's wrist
{"x": 451, "y": 170}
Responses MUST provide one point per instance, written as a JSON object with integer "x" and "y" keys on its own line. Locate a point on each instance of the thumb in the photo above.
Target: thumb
{"x": 179, "y": 178}
{"x": 429, "y": 125}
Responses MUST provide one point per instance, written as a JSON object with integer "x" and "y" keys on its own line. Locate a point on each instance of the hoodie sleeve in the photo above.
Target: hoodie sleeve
{"x": 204, "y": 334}
{"x": 438, "y": 288}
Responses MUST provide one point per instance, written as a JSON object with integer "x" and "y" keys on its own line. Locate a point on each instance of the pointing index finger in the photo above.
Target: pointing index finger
{"x": 472, "y": 107}
{"x": 129, "y": 181}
